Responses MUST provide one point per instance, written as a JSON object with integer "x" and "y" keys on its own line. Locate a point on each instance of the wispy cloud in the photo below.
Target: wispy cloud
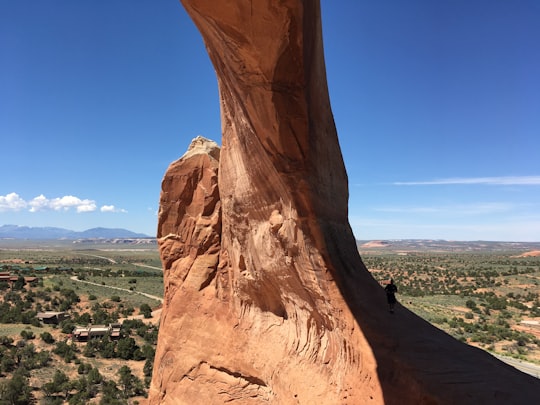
{"x": 502, "y": 229}
{"x": 13, "y": 202}
{"x": 454, "y": 209}
{"x": 497, "y": 181}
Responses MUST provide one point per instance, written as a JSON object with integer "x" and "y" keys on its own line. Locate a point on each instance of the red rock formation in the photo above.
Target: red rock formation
{"x": 273, "y": 304}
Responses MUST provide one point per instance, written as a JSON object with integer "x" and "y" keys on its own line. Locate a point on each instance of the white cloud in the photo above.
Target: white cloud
{"x": 69, "y": 201}
{"x": 497, "y": 181}
{"x": 86, "y": 206}
{"x": 38, "y": 203}
{"x": 112, "y": 208}
{"x": 12, "y": 202}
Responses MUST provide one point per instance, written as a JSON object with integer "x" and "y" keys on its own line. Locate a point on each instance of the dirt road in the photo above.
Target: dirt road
{"x": 529, "y": 368}
{"x": 154, "y": 297}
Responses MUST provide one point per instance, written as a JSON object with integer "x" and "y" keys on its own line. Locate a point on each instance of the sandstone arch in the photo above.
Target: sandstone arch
{"x": 267, "y": 299}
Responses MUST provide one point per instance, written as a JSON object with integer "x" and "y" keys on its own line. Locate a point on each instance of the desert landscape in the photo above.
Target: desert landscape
{"x": 484, "y": 294}
{"x": 60, "y": 309}
{"x": 255, "y": 289}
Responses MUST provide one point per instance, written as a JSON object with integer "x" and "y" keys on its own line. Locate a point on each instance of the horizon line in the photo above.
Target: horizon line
{"x": 500, "y": 181}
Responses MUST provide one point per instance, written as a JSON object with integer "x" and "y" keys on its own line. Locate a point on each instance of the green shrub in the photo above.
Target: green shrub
{"x": 27, "y": 334}
{"x": 47, "y": 337}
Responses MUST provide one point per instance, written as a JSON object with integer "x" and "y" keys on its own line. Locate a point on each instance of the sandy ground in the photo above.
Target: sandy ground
{"x": 532, "y": 253}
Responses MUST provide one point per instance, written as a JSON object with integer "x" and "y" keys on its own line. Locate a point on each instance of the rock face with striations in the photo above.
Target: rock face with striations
{"x": 267, "y": 300}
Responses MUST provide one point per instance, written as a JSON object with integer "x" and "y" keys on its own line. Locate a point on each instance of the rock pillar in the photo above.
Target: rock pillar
{"x": 266, "y": 298}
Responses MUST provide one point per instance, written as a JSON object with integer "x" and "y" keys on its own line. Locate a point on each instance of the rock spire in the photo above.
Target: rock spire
{"x": 267, "y": 300}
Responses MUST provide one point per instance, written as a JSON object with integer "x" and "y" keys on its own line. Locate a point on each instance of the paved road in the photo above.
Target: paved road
{"x": 529, "y": 368}
{"x": 154, "y": 297}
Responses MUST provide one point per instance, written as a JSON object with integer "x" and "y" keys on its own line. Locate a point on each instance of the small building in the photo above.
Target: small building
{"x": 51, "y": 317}
{"x": 115, "y": 330}
{"x": 85, "y": 333}
{"x": 32, "y": 281}
{"x": 531, "y": 324}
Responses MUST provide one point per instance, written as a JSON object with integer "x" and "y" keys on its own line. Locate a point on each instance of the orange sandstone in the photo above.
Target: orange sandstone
{"x": 267, "y": 300}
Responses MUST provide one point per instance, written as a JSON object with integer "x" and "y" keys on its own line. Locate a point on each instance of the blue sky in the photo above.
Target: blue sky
{"x": 437, "y": 106}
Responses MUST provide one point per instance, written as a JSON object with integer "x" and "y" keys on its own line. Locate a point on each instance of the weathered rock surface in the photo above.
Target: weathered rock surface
{"x": 266, "y": 298}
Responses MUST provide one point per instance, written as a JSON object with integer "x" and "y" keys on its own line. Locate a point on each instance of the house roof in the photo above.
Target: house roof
{"x": 49, "y": 314}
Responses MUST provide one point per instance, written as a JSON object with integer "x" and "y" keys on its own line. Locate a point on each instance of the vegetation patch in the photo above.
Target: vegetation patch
{"x": 47, "y": 295}
{"x": 486, "y": 299}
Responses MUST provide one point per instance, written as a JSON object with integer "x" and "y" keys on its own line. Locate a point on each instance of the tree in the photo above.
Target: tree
{"x": 130, "y": 384}
{"x": 126, "y": 379}
{"x": 42, "y": 358}
{"x": 47, "y": 337}
{"x": 16, "y": 391}
{"x": 59, "y": 379}
{"x": 111, "y": 393}
{"x": 59, "y": 384}
{"x": 94, "y": 376}
{"x": 6, "y": 341}
{"x": 28, "y": 357}
{"x": 107, "y": 349}
{"x": 127, "y": 311}
{"x": 19, "y": 284}
{"x": 90, "y": 348}
{"x": 146, "y": 310}
{"x": 27, "y": 334}
{"x": 148, "y": 367}
{"x": 101, "y": 317}
{"x": 83, "y": 319}
{"x": 67, "y": 352}
{"x": 80, "y": 397}
{"x": 126, "y": 348}
{"x": 471, "y": 304}
{"x": 84, "y": 368}
{"x": 7, "y": 362}
{"x": 67, "y": 326}
{"x": 148, "y": 352}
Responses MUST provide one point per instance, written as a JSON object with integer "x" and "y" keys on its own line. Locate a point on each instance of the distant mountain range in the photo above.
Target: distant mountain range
{"x": 434, "y": 245}
{"x": 27, "y": 232}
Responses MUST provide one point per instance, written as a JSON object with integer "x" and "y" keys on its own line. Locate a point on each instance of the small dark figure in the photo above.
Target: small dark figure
{"x": 391, "y": 290}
